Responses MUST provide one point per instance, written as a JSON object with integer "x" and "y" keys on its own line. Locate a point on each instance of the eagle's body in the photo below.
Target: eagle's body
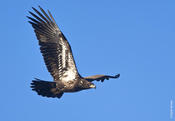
{"x": 59, "y": 60}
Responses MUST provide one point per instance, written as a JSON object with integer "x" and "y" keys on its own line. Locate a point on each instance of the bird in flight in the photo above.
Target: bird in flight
{"x": 58, "y": 58}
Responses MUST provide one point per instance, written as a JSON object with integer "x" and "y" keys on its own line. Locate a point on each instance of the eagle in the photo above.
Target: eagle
{"x": 58, "y": 59}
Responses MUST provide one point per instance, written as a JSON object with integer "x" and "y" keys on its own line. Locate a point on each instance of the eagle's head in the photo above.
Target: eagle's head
{"x": 84, "y": 84}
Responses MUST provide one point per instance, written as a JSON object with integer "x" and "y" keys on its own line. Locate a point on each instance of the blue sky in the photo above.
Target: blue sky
{"x": 134, "y": 38}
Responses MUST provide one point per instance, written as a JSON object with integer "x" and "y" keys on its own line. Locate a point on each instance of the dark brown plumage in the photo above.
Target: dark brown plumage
{"x": 58, "y": 58}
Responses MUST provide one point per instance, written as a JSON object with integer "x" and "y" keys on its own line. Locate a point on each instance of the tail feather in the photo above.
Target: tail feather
{"x": 45, "y": 88}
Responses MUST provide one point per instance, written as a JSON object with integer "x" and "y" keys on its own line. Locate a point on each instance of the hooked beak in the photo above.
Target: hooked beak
{"x": 92, "y": 86}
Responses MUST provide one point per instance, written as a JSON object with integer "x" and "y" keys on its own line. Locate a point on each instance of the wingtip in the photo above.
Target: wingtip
{"x": 36, "y": 78}
{"x": 39, "y": 7}
{"x": 29, "y": 17}
{"x": 33, "y": 8}
{"x": 117, "y": 76}
{"x": 30, "y": 12}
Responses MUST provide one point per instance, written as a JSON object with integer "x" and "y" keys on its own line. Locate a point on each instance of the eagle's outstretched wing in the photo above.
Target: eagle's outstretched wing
{"x": 54, "y": 47}
{"x": 100, "y": 77}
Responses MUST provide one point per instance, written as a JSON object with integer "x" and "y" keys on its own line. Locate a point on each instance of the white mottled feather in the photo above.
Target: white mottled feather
{"x": 70, "y": 73}
{"x": 63, "y": 53}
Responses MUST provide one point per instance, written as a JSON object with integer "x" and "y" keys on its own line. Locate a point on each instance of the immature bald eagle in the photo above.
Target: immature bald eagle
{"x": 59, "y": 60}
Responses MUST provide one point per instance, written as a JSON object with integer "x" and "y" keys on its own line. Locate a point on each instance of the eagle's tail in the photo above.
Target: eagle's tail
{"x": 45, "y": 88}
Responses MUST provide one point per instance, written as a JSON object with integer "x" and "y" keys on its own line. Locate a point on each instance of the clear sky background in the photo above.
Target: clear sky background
{"x": 134, "y": 38}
